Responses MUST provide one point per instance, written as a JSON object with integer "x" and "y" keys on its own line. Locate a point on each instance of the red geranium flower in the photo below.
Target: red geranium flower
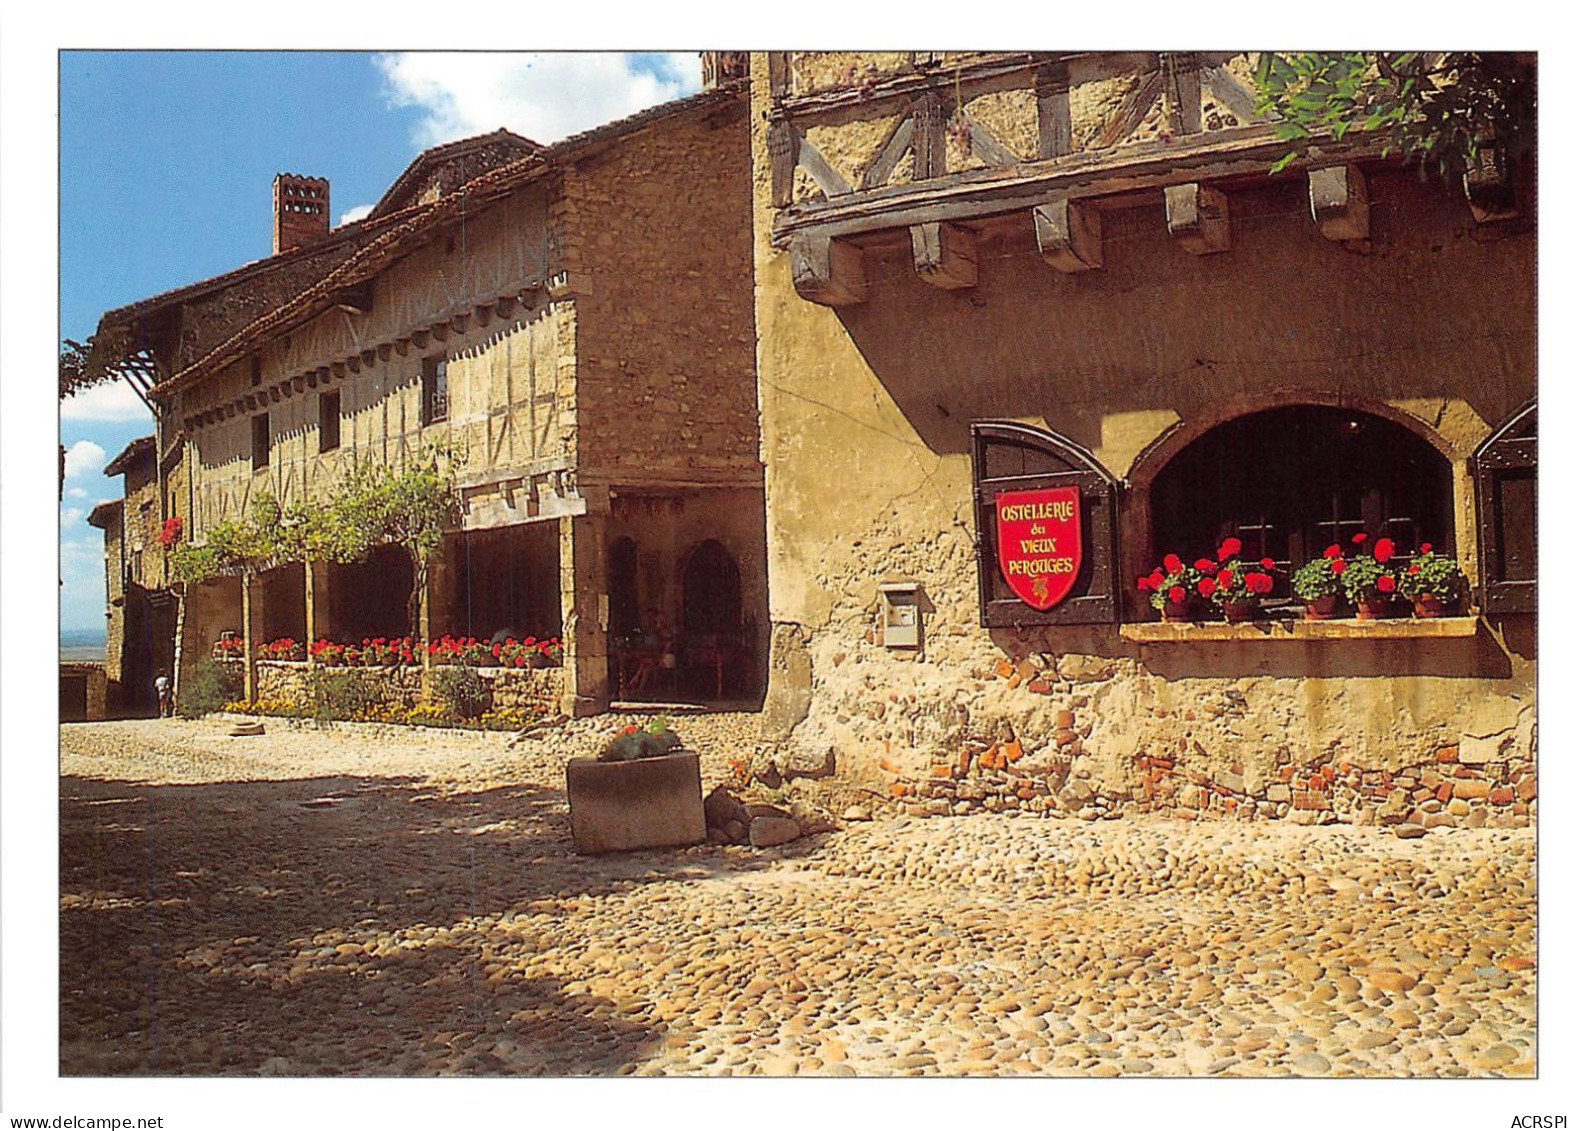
{"x": 1333, "y": 551}
{"x": 1258, "y": 582}
{"x": 1267, "y": 563}
{"x": 1206, "y": 586}
{"x": 1413, "y": 569}
{"x": 1228, "y": 548}
{"x": 1144, "y": 584}
{"x": 1176, "y": 594}
{"x": 1225, "y": 579}
{"x": 1386, "y": 583}
{"x": 1384, "y": 549}
{"x": 1173, "y": 563}
{"x": 1156, "y": 578}
{"x": 1204, "y": 564}
{"x": 1360, "y": 538}
{"x": 1425, "y": 548}
{"x": 1338, "y": 566}
{"x": 497, "y": 648}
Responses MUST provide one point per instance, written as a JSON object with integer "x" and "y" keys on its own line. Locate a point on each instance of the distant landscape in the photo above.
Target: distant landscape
{"x": 81, "y": 643}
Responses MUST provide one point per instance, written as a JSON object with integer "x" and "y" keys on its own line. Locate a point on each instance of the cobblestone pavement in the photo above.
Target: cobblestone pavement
{"x": 383, "y": 902}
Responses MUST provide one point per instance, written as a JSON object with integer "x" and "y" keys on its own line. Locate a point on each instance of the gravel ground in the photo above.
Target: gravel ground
{"x": 379, "y": 901}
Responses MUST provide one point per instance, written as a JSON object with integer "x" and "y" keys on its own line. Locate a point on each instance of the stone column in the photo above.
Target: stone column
{"x": 583, "y": 603}
{"x": 251, "y": 609}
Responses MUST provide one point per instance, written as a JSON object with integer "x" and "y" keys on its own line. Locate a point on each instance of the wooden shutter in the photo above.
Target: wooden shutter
{"x": 1016, "y": 457}
{"x": 1504, "y": 482}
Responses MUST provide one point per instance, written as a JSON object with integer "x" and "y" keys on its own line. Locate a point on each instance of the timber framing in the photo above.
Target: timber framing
{"x": 1223, "y": 155}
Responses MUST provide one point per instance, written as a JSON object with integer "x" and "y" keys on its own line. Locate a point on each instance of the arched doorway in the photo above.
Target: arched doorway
{"x": 715, "y": 651}
{"x": 1290, "y": 481}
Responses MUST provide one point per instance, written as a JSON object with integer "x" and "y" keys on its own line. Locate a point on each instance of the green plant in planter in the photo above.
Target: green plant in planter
{"x": 1319, "y": 578}
{"x": 1432, "y": 576}
{"x": 1368, "y": 578}
{"x": 1173, "y": 583}
{"x": 1232, "y": 582}
{"x": 652, "y": 741}
{"x": 460, "y": 691}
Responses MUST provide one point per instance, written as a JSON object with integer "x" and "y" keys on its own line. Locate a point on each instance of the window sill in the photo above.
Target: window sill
{"x": 1398, "y": 628}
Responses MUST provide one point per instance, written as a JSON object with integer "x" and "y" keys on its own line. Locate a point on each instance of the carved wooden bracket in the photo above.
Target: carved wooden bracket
{"x": 1489, "y": 188}
{"x": 827, "y": 271}
{"x": 1068, "y": 232}
{"x": 944, "y": 255}
{"x": 1197, "y": 218}
{"x": 1340, "y": 202}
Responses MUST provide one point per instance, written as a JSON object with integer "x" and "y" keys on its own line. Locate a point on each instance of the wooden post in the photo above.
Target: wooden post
{"x": 307, "y": 571}
{"x": 249, "y": 660}
{"x": 583, "y": 604}
{"x": 1054, "y": 133}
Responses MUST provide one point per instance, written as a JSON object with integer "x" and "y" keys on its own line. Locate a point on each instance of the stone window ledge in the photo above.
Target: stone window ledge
{"x": 1188, "y": 632}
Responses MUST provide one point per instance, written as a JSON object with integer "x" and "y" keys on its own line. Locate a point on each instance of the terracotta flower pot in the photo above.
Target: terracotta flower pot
{"x": 1240, "y": 612}
{"x": 1374, "y": 607}
{"x": 1321, "y": 608}
{"x": 1429, "y": 605}
{"x": 1175, "y": 610}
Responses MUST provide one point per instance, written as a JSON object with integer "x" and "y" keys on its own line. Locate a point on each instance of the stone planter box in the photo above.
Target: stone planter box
{"x": 647, "y": 803}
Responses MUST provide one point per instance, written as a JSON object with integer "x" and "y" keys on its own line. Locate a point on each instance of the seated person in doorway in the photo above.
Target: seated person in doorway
{"x": 654, "y": 648}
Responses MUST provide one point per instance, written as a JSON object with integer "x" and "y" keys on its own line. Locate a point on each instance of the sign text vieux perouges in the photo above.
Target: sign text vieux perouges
{"x": 1039, "y": 543}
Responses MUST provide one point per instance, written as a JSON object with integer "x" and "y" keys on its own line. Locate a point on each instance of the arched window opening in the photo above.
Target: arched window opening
{"x": 1288, "y": 482}
{"x": 711, "y": 592}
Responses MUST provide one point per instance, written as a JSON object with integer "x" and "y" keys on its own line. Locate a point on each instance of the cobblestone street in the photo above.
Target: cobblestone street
{"x": 408, "y": 903}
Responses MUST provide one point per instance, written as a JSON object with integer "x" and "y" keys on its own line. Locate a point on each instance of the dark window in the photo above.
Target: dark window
{"x": 1504, "y": 474}
{"x": 711, "y": 592}
{"x": 1011, "y": 457}
{"x": 1288, "y": 482}
{"x": 624, "y": 599}
{"x": 328, "y": 421}
{"x": 260, "y": 441}
{"x": 435, "y": 389}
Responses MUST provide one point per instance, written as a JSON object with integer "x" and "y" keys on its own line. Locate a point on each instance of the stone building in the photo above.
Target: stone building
{"x": 139, "y": 606}
{"x": 984, "y": 273}
{"x": 578, "y": 318}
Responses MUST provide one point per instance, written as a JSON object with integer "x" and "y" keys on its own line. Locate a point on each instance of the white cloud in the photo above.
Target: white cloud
{"x": 69, "y": 517}
{"x": 545, "y": 96}
{"x": 113, "y": 400}
{"x": 76, "y": 493}
{"x": 83, "y": 458}
{"x": 351, "y": 215}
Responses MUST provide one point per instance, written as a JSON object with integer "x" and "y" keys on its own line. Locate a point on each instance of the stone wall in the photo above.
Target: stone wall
{"x": 529, "y": 690}
{"x": 866, "y": 412}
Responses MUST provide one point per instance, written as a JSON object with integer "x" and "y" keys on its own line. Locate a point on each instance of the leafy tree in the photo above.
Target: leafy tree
{"x": 1447, "y": 107}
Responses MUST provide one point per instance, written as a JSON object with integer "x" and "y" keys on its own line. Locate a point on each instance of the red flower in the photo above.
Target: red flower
{"x": 1384, "y": 549}
{"x": 1267, "y": 563}
{"x": 1173, "y": 563}
{"x": 1177, "y": 594}
{"x": 1156, "y": 579}
{"x": 497, "y": 648}
{"x": 1425, "y": 548}
{"x": 1338, "y": 566}
{"x": 1258, "y": 582}
{"x": 1206, "y": 586}
{"x": 1333, "y": 551}
{"x": 1144, "y": 584}
{"x": 1386, "y": 583}
{"x": 1413, "y": 569}
{"x": 1360, "y": 538}
{"x": 1228, "y": 548}
{"x": 1204, "y": 565}
{"x": 520, "y": 661}
{"x": 1225, "y": 579}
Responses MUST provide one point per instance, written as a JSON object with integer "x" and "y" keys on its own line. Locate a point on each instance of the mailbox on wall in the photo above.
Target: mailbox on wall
{"x": 901, "y": 613}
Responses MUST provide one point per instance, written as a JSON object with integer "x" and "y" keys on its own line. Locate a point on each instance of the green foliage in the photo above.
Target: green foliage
{"x": 459, "y": 690}
{"x": 1432, "y": 574}
{"x": 1315, "y": 579}
{"x": 206, "y": 687}
{"x": 340, "y": 693}
{"x": 1441, "y": 106}
{"x": 1364, "y": 578}
{"x": 652, "y": 741}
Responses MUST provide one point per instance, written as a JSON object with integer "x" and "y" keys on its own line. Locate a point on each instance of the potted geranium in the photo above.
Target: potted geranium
{"x": 1432, "y": 581}
{"x": 1368, "y": 580}
{"x": 1232, "y": 584}
{"x": 1172, "y": 587}
{"x": 1318, "y": 583}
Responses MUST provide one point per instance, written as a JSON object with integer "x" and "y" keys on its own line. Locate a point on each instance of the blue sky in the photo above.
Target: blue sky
{"x": 167, "y": 160}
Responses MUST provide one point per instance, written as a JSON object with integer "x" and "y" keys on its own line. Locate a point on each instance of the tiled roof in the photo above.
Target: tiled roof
{"x": 139, "y": 449}
{"x": 438, "y": 154}
{"x": 100, "y": 515}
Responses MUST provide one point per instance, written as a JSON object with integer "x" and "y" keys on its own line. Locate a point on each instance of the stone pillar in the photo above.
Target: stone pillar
{"x": 583, "y": 603}
{"x": 320, "y": 606}
{"x": 251, "y": 608}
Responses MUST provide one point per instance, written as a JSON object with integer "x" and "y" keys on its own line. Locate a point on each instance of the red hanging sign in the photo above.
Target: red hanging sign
{"x": 1039, "y": 543}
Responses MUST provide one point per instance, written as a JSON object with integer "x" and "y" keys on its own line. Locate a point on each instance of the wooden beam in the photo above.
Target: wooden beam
{"x": 354, "y": 363}
{"x": 1183, "y": 91}
{"x": 299, "y": 383}
{"x": 929, "y": 143}
{"x": 420, "y": 338}
{"x": 460, "y": 322}
{"x": 1054, "y": 129}
{"x": 402, "y": 346}
{"x": 783, "y": 152}
{"x": 944, "y": 255}
{"x": 338, "y": 369}
{"x": 483, "y": 312}
{"x": 384, "y": 350}
{"x": 829, "y": 179}
{"x": 778, "y": 73}
{"x": 829, "y": 272}
{"x": 1132, "y": 110}
{"x": 356, "y": 299}
{"x": 312, "y": 379}
{"x": 889, "y": 155}
{"x": 440, "y": 332}
{"x": 1489, "y": 187}
{"x": 987, "y": 148}
{"x": 1340, "y": 202}
{"x": 1068, "y": 232}
{"x": 504, "y": 305}
{"x": 368, "y": 357}
{"x": 1234, "y": 98}
{"x": 1197, "y": 218}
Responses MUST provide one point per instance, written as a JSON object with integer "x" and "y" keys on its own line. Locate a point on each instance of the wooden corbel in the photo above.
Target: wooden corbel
{"x": 1068, "y": 232}
{"x": 827, "y": 271}
{"x": 944, "y": 255}
{"x": 1197, "y": 218}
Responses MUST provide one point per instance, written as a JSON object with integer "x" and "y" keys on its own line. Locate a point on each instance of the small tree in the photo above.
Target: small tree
{"x": 1442, "y": 106}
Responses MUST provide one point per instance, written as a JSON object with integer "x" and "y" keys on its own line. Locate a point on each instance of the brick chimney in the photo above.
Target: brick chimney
{"x": 301, "y": 210}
